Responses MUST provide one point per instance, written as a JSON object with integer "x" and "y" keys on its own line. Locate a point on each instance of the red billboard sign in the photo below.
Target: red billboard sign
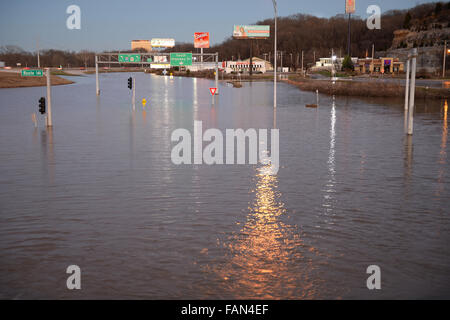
{"x": 201, "y": 40}
{"x": 350, "y": 6}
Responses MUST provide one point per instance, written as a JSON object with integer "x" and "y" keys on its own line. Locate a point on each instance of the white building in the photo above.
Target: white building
{"x": 259, "y": 66}
{"x": 326, "y": 63}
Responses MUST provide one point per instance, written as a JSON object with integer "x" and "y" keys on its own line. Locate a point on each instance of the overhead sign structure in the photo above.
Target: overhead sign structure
{"x": 180, "y": 59}
{"x": 32, "y": 73}
{"x": 201, "y": 40}
{"x": 251, "y": 32}
{"x": 129, "y": 58}
{"x": 163, "y": 43}
{"x": 350, "y": 6}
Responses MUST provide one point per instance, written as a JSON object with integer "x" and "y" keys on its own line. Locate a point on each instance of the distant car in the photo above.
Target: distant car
{"x": 82, "y": 68}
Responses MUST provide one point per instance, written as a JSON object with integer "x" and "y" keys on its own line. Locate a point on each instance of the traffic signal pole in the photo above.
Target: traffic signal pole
{"x": 49, "y": 100}
{"x": 134, "y": 92}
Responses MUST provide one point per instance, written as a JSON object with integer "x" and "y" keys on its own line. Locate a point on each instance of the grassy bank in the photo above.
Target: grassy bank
{"x": 64, "y": 73}
{"x": 113, "y": 70}
{"x": 15, "y": 80}
{"x": 365, "y": 89}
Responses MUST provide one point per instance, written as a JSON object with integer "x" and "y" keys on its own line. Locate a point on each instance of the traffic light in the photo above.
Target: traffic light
{"x": 130, "y": 83}
{"x": 42, "y": 105}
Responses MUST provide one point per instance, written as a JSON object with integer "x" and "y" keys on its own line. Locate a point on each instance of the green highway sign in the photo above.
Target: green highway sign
{"x": 129, "y": 58}
{"x": 180, "y": 59}
{"x": 32, "y": 73}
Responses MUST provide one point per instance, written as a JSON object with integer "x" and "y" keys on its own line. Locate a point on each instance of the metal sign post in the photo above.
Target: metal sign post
{"x": 412, "y": 92}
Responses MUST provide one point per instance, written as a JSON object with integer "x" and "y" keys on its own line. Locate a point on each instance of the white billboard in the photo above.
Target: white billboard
{"x": 160, "y": 59}
{"x": 163, "y": 43}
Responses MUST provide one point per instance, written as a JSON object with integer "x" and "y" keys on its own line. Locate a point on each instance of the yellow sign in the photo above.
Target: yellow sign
{"x": 144, "y": 102}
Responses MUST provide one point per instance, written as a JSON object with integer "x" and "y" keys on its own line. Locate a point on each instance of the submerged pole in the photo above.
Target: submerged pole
{"x": 97, "y": 86}
{"x": 412, "y": 92}
{"x": 217, "y": 73}
{"x": 49, "y": 100}
{"x": 405, "y": 124}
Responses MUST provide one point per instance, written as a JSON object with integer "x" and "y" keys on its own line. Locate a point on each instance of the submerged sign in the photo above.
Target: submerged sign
{"x": 180, "y": 59}
{"x": 251, "y": 32}
{"x": 32, "y": 73}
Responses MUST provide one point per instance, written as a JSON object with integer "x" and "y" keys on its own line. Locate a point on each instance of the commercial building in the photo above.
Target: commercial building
{"x": 326, "y": 63}
{"x": 386, "y": 65}
{"x": 141, "y": 44}
{"x": 259, "y": 66}
{"x": 381, "y": 65}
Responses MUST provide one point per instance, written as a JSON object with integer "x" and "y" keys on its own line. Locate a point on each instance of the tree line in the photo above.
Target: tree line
{"x": 314, "y": 36}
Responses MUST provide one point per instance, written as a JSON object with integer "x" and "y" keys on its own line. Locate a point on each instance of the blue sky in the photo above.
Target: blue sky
{"x": 112, "y": 24}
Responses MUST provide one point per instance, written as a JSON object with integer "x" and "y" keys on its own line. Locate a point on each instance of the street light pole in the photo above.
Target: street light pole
{"x": 445, "y": 56}
{"x": 275, "y": 55}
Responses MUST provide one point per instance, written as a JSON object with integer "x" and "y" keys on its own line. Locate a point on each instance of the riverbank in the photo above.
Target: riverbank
{"x": 15, "y": 80}
{"x": 364, "y": 89}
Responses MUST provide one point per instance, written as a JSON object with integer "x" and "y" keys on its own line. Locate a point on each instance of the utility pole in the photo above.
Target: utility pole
{"x": 97, "y": 85}
{"x": 373, "y": 54}
{"x": 250, "y": 65}
{"x": 349, "y": 35}
{"x": 445, "y": 56}
{"x": 281, "y": 63}
{"x": 201, "y": 58}
{"x": 303, "y": 72}
{"x": 405, "y": 125}
{"x": 38, "y": 58}
{"x": 275, "y": 55}
{"x": 412, "y": 92}
{"x": 217, "y": 74}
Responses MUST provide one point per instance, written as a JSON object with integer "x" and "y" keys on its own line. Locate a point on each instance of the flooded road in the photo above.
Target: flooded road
{"x": 99, "y": 191}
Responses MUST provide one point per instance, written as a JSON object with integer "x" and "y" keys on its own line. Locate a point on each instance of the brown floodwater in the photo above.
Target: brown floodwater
{"x": 99, "y": 191}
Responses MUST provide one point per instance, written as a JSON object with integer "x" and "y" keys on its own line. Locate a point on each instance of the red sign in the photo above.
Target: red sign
{"x": 201, "y": 40}
{"x": 213, "y": 91}
{"x": 350, "y": 6}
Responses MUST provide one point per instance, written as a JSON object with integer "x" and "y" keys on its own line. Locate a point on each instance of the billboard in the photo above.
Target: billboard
{"x": 350, "y": 6}
{"x": 163, "y": 43}
{"x": 251, "y": 32}
{"x": 201, "y": 40}
{"x": 160, "y": 59}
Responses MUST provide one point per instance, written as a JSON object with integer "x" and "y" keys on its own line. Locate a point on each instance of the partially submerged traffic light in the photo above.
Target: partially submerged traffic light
{"x": 130, "y": 83}
{"x": 42, "y": 105}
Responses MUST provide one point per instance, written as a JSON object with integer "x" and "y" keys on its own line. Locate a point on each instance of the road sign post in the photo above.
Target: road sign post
{"x": 213, "y": 93}
{"x": 217, "y": 73}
